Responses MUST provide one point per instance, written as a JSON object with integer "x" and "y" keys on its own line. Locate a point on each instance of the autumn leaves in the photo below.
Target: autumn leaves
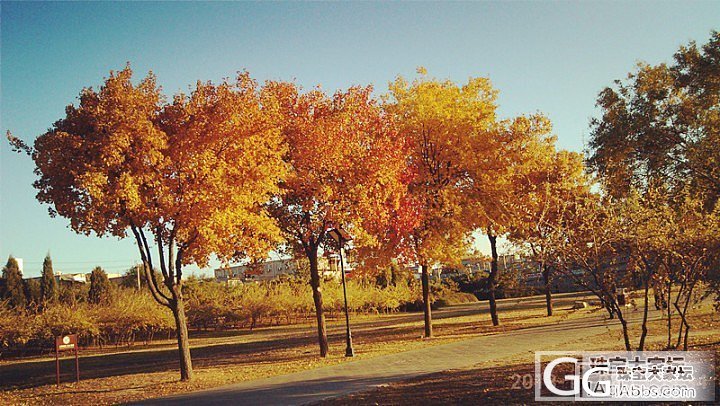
{"x": 235, "y": 169}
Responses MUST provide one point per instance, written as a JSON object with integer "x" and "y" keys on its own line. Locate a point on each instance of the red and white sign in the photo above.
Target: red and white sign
{"x": 66, "y": 343}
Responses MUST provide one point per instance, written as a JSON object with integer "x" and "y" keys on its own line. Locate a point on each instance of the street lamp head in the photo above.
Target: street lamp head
{"x": 339, "y": 235}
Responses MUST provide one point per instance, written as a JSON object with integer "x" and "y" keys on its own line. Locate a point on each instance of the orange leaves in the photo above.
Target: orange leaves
{"x": 229, "y": 167}
{"x": 195, "y": 172}
{"x": 83, "y": 161}
{"x": 344, "y": 158}
{"x": 225, "y": 153}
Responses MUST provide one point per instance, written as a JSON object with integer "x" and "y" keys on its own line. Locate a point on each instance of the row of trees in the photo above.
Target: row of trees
{"x": 236, "y": 169}
{"x": 655, "y": 224}
{"x": 231, "y": 169}
{"x": 655, "y": 151}
{"x": 20, "y": 293}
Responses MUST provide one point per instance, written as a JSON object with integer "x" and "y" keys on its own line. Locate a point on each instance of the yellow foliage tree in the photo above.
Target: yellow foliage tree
{"x": 503, "y": 169}
{"x": 442, "y": 123}
{"x": 551, "y": 188}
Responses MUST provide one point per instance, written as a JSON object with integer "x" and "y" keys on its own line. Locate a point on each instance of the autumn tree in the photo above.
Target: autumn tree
{"x": 189, "y": 179}
{"x": 505, "y": 167}
{"x": 439, "y": 121}
{"x": 593, "y": 252}
{"x": 345, "y": 159}
{"x": 13, "y": 288}
{"x": 687, "y": 251}
{"x": 550, "y": 188}
{"x": 48, "y": 284}
{"x": 99, "y": 292}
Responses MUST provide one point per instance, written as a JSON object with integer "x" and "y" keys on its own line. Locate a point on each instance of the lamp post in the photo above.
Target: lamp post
{"x": 341, "y": 237}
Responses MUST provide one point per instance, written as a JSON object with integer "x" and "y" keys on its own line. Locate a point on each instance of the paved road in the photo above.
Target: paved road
{"x": 317, "y": 384}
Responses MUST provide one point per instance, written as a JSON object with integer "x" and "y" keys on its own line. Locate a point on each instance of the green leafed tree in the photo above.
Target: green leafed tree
{"x": 99, "y": 287}
{"x": 662, "y": 124}
{"x": 14, "y": 290}
{"x": 48, "y": 285}
{"x": 33, "y": 294}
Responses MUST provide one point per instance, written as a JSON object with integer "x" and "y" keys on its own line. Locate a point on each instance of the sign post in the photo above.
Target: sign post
{"x": 66, "y": 343}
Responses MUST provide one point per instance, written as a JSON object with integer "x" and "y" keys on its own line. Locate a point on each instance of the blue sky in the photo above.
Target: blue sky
{"x": 552, "y": 57}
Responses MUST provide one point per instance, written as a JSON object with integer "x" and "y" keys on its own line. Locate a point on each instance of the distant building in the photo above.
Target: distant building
{"x": 435, "y": 270}
{"x": 81, "y": 278}
{"x": 473, "y": 265}
{"x": 476, "y": 265}
{"x": 329, "y": 266}
{"x": 71, "y": 278}
{"x": 262, "y": 271}
{"x": 482, "y": 264}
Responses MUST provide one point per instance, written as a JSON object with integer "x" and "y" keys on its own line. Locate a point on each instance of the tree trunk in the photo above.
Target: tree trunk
{"x": 317, "y": 298}
{"x": 492, "y": 278}
{"x": 608, "y": 307}
{"x": 611, "y": 314}
{"x": 646, "y": 303}
{"x": 626, "y": 334}
{"x": 426, "y": 300}
{"x": 178, "y": 308}
{"x": 172, "y": 300}
{"x": 548, "y": 290}
{"x": 669, "y": 313}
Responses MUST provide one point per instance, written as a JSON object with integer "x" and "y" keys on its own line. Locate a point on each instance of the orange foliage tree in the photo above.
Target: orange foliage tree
{"x": 188, "y": 179}
{"x": 345, "y": 162}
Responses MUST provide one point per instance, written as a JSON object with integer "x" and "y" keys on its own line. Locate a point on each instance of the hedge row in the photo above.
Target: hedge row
{"x": 130, "y": 316}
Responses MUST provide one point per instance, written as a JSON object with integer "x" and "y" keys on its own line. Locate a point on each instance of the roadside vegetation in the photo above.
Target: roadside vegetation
{"x": 104, "y": 315}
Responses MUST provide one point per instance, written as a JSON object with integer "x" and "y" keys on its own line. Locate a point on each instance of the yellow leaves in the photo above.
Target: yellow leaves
{"x": 93, "y": 183}
{"x": 422, "y": 169}
{"x": 444, "y": 125}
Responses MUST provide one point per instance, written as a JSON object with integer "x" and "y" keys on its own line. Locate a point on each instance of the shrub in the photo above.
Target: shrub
{"x": 207, "y": 303}
{"x": 15, "y": 327}
{"x": 60, "y": 319}
{"x": 132, "y": 315}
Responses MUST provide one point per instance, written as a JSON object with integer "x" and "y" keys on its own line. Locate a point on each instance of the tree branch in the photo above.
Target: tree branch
{"x": 157, "y": 294}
